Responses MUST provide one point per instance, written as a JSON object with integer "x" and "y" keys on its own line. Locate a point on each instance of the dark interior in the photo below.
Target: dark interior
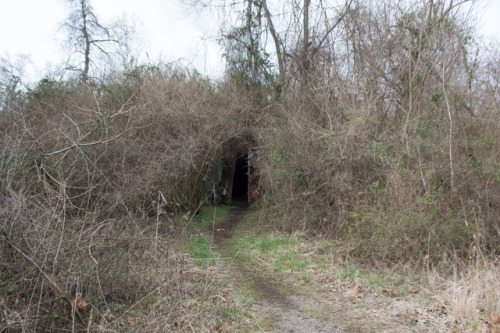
{"x": 240, "y": 181}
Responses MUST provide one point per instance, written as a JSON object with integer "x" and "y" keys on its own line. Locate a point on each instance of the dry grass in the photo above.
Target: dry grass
{"x": 471, "y": 295}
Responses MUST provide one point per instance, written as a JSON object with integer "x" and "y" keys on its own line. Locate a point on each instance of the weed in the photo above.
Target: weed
{"x": 200, "y": 247}
{"x": 290, "y": 260}
{"x": 212, "y": 214}
{"x": 272, "y": 243}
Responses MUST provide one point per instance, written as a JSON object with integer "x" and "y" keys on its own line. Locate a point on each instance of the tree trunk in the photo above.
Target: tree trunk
{"x": 86, "y": 37}
{"x": 277, "y": 45}
{"x": 305, "y": 61}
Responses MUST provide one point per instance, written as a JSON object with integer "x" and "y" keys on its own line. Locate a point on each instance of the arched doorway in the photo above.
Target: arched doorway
{"x": 240, "y": 181}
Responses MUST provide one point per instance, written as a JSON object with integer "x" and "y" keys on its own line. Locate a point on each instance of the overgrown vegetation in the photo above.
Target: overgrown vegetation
{"x": 96, "y": 183}
{"x": 380, "y": 133}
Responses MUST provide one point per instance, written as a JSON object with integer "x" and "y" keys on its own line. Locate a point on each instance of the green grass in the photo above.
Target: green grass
{"x": 199, "y": 244}
{"x": 207, "y": 214}
{"x": 376, "y": 279}
{"x": 273, "y": 243}
{"x": 200, "y": 247}
{"x": 349, "y": 272}
{"x": 305, "y": 276}
{"x": 290, "y": 261}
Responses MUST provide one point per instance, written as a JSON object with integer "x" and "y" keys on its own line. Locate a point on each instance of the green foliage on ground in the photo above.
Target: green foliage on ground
{"x": 212, "y": 214}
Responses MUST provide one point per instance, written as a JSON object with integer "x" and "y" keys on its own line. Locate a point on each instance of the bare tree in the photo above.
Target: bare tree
{"x": 88, "y": 37}
{"x": 10, "y": 81}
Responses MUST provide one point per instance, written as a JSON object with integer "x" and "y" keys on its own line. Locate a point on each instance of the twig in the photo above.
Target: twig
{"x": 157, "y": 220}
{"x": 39, "y": 302}
{"x": 86, "y": 144}
{"x": 143, "y": 298}
{"x": 420, "y": 167}
{"x": 97, "y": 266}
{"x": 451, "y": 130}
{"x": 63, "y": 190}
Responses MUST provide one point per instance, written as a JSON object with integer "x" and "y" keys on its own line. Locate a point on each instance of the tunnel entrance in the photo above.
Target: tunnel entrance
{"x": 240, "y": 181}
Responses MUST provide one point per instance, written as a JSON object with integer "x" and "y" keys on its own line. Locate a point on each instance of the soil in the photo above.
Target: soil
{"x": 224, "y": 230}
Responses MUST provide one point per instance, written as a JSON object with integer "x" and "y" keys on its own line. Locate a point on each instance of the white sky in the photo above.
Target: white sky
{"x": 168, "y": 29}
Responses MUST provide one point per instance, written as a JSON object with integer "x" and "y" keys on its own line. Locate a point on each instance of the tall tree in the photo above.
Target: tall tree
{"x": 245, "y": 52}
{"x": 88, "y": 37}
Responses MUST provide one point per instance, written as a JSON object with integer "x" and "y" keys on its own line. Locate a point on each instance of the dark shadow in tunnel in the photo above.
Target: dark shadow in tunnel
{"x": 240, "y": 182}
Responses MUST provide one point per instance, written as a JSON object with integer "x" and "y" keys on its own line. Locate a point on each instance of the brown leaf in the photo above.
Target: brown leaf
{"x": 495, "y": 329}
{"x": 414, "y": 291}
{"x": 80, "y": 304}
{"x": 51, "y": 291}
{"x": 132, "y": 321}
{"x": 360, "y": 290}
{"x": 443, "y": 309}
{"x": 222, "y": 328}
{"x": 388, "y": 292}
{"x": 494, "y": 318}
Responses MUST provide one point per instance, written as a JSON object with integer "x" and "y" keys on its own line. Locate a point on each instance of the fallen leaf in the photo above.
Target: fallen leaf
{"x": 52, "y": 291}
{"x": 443, "y": 309}
{"x": 360, "y": 290}
{"x": 495, "y": 329}
{"x": 286, "y": 262}
{"x": 494, "y": 318}
{"x": 222, "y": 328}
{"x": 132, "y": 321}
{"x": 414, "y": 291}
{"x": 80, "y": 304}
{"x": 388, "y": 292}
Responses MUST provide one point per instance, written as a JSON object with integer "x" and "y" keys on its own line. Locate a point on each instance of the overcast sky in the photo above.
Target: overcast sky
{"x": 167, "y": 29}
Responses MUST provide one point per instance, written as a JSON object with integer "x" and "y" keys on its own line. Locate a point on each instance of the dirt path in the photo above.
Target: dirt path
{"x": 280, "y": 309}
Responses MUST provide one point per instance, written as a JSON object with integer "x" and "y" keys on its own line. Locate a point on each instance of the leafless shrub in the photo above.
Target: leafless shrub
{"x": 399, "y": 161}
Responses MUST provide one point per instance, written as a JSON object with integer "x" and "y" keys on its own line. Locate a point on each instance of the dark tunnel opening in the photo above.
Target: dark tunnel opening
{"x": 240, "y": 181}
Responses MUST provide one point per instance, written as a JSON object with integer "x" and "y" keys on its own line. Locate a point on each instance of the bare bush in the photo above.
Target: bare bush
{"x": 81, "y": 168}
{"x": 400, "y": 162}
